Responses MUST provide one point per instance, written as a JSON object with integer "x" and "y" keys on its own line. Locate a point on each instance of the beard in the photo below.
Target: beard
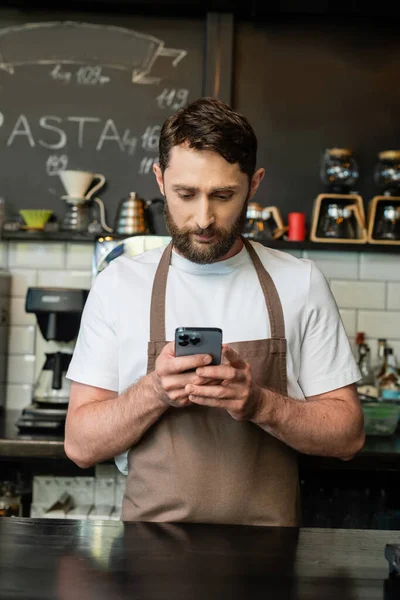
{"x": 205, "y": 253}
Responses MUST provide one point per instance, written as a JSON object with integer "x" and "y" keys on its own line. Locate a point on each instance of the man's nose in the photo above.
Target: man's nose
{"x": 205, "y": 216}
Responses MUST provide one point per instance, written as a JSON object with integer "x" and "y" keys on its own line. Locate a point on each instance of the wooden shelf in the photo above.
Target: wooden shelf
{"x": 66, "y": 236}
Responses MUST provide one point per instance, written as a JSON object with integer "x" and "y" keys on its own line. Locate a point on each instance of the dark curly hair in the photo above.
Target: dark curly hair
{"x": 210, "y": 124}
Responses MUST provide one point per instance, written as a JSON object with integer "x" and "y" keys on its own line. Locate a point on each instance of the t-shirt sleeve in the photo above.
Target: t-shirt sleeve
{"x": 95, "y": 357}
{"x": 326, "y": 359}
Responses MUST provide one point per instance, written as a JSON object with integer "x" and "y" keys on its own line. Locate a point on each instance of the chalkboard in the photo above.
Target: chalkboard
{"x": 90, "y": 92}
{"x": 317, "y": 84}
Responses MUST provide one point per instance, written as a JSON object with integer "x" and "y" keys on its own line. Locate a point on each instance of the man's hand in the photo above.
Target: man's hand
{"x": 237, "y": 392}
{"x": 169, "y": 377}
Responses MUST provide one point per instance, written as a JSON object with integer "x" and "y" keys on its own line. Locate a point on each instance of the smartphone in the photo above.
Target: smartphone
{"x": 199, "y": 340}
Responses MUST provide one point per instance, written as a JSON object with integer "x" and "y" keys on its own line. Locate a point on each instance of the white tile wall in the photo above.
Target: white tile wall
{"x": 349, "y": 318}
{"x": 18, "y": 316}
{"x": 339, "y": 265}
{"x": 21, "y": 279}
{"x": 22, "y": 339}
{"x": 359, "y": 294}
{"x": 37, "y": 256}
{"x": 384, "y": 267}
{"x": 79, "y": 256}
{"x": 21, "y": 369}
{"x": 36, "y": 264}
{"x": 366, "y": 288}
{"x": 3, "y": 254}
{"x": 393, "y": 298}
{"x": 384, "y": 324}
{"x": 68, "y": 279}
{"x": 18, "y": 395}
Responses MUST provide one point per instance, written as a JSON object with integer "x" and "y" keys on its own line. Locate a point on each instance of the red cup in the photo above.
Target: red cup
{"x": 297, "y": 227}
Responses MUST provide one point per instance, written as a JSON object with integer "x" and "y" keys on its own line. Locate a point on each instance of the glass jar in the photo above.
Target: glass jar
{"x": 9, "y": 500}
{"x": 254, "y": 225}
{"x": 387, "y": 172}
{"x": 339, "y": 170}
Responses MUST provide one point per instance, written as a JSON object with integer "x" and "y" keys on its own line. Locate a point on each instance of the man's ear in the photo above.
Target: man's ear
{"x": 159, "y": 177}
{"x": 255, "y": 182}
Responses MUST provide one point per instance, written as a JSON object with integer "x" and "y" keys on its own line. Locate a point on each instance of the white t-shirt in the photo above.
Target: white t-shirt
{"x": 111, "y": 349}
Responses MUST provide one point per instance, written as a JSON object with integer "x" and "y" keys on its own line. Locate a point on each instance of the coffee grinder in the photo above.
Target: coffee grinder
{"x": 58, "y": 313}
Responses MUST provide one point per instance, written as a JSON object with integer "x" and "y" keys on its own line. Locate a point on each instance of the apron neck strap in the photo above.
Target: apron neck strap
{"x": 269, "y": 290}
{"x": 157, "y": 307}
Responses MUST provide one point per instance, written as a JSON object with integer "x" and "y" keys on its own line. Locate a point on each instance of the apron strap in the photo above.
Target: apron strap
{"x": 271, "y": 295}
{"x": 157, "y": 307}
{"x": 159, "y": 292}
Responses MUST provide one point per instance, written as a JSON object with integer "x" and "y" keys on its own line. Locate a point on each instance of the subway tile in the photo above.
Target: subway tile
{"x": 393, "y": 301}
{"x": 379, "y": 324}
{"x": 359, "y": 294}
{"x": 21, "y": 369}
{"x": 3, "y": 254}
{"x": 349, "y": 321}
{"x": 335, "y": 265}
{"x": 22, "y": 340}
{"x": 79, "y": 256}
{"x": 35, "y": 255}
{"x": 295, "y": 253}
{"x": 18, "y": 316}
{"x": 380, "y": 266}
{"x": 65, "y": 279}
{"x": 18, "y": 396}
{"x": 21, "y": 279}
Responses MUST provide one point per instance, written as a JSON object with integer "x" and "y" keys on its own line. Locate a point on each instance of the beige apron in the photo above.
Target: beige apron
{"x": 197, "y": 463}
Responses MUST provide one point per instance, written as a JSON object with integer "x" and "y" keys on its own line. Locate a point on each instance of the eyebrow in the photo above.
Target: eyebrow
{"x": 221, "y": 190}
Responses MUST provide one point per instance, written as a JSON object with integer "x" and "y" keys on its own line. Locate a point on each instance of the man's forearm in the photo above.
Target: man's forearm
{"x": 324, "y": 427}
{"x": 100, "y": 430}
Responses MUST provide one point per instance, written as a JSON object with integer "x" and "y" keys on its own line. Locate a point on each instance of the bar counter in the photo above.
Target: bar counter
{"x": 69, "y": 560}
{"x": 378, "y": 452}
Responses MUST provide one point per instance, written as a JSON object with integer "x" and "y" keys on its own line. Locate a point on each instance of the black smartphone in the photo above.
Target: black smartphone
{"x": 199, "y": 340}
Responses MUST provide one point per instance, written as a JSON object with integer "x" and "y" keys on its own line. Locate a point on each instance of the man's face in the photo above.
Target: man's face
{"x": 206, "y": 199}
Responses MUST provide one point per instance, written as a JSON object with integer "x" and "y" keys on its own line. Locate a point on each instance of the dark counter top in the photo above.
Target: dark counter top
{"x": 15, "y": 445}
{"x": 378, "y": 452}
{"x": 70, "y": 560}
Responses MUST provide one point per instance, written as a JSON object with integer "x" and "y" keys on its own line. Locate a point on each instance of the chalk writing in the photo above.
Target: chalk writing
{"x": 146, "y": 165}
{"x": 73, "y": 38}
{"x": 55, "y": 164}
{"x": 174, "y": 99}
{"x": 86, "y": 75}
{"x": 151, "y": 137}
{"x": 57, "y": 133}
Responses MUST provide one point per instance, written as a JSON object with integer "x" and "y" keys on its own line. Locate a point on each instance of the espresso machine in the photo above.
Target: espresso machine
{"x": 58, "y": 313}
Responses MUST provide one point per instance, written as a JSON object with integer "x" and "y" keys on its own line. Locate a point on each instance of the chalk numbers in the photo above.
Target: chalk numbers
{"x": 56, "y": 163}
{"x": 146, "y": 165}
{"x": 170, "y": 98}
{"x": 85, "y": 75}
{"x": 151, "y": 137}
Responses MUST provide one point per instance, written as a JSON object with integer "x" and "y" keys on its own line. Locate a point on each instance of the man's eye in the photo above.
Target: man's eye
{"x": 185, "y": 196}
{"x": 224, "y": 197}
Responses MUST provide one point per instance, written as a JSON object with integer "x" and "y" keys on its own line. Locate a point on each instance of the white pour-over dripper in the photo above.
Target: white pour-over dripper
{"x": 77, "y": 183}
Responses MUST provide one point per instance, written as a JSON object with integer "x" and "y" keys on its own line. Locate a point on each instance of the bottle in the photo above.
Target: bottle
{"x": 381, "y": 361}
{"x": 389, "y": 381}
{"x": 364, "y": 361}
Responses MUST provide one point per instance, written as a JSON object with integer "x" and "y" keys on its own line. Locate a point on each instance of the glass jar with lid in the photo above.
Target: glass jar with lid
{"x": 339, "y": 170}
{"x": 254, "y": 225}
{"x": 387, "y": 172}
